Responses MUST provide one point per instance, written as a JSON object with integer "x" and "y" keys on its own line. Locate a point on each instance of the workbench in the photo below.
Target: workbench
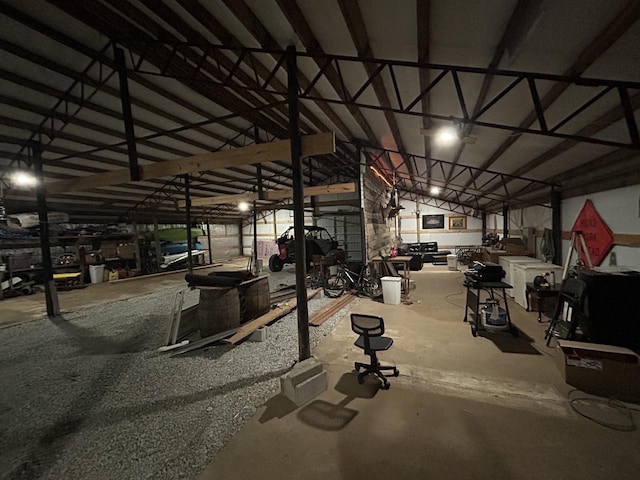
{"x": 381, "y": 266}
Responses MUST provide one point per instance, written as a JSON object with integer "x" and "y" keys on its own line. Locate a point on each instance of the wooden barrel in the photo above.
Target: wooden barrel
{"x": 218, "y": 310}
{"x": 254, "y": 297}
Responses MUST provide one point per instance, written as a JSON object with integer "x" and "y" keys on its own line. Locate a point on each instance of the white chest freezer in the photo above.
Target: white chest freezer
{"x": 508, "y": 263}
{"x": 526, "y": 272}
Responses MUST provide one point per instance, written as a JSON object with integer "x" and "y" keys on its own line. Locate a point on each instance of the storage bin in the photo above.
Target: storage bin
{"x": 391, "y": 290}
{"x": 96, "y": 272}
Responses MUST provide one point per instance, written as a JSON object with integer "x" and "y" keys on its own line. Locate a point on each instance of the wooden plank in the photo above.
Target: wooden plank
{"x": 624, "y": 239}
{"x": 281, "y": 194}
{"x": 318, "y": 144}
{"x": 279, "y": 311}
{"x": 203, "y": 342}
{"x": 318, "y": 318}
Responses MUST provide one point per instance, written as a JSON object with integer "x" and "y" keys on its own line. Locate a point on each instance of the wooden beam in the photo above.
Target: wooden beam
{"x": 280, "y": 194}
{"x": 318, "y": 144}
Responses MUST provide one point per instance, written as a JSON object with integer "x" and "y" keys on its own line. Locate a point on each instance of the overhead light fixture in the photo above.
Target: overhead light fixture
{"x": 435, "y": 191}
{"x": 449, "y": 135}
{"x": 21, "y": 179}
{"x": 446, "y": 136}
{"x": 243, "y": 206}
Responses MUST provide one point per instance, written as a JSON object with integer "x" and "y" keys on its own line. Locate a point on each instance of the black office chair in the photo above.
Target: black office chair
{"x": 370, "y": 329}
{"x": 569, "y": 312}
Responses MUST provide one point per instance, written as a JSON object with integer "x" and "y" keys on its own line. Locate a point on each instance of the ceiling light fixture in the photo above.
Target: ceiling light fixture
{"x": 243, "y": 206}
{"x": 435, "y": 191}
{"x": 446, "y": 136}
{"x": 23, "y": 179}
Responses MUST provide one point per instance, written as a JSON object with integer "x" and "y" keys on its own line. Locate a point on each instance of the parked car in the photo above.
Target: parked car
{"x": 318, "y": 241}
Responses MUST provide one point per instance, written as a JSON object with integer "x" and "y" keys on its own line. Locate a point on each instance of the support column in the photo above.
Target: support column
{"x": 187, "y": 199}
{"x": 363, "y": 226}
{"x": 156, "y": 240}
{"x": 484, "y": 223}
{"x": 304, "y": 348}
{"x": 50, "y": 292}
{"x": 505, "y": 220}
{"x": 209, "y": 242}
{"x": 556, "y": 226}
{"x": 127, "y": 116}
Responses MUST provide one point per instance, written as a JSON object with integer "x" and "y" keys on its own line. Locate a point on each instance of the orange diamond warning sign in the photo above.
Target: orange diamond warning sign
{"x": 597, "y": 235}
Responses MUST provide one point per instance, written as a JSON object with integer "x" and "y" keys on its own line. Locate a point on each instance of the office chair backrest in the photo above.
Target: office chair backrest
{"x": 368, "y": 326}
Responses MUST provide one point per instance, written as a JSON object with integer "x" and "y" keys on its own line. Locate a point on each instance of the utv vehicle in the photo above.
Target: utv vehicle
{"x": 318, "y": 241}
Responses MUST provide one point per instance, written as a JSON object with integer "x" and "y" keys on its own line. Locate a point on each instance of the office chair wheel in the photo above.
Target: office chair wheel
{"x": 386, "y": 385}
{"x": 396, "y": 372}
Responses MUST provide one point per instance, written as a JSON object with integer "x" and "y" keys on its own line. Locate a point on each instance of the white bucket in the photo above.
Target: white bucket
{"x": 96, "y": 272}
{"x": 452, "y": 262}
{"x": 391, "y": 290}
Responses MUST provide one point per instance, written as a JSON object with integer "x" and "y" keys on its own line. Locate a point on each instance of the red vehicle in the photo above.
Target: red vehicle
{"x": 318, "y": 241}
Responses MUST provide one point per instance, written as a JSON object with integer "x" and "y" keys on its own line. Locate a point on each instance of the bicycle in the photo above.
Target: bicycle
{"x": 364, "y": 282}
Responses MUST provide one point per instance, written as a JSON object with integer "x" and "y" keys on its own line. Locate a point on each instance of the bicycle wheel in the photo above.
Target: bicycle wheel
{"x": 372, "y": 287}
{"x": 334, "y": 286}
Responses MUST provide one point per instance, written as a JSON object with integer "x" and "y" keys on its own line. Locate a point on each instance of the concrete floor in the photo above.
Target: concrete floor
{"x": 493, "y": 406}
{"x": 463, "y": 407}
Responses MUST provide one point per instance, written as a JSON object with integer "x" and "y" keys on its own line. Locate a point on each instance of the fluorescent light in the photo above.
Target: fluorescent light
{"x": 446, "y": 136}
{"x": 243, "y": 206}
{"x": 23, "y": 179}
{"x": 435, "y": 191}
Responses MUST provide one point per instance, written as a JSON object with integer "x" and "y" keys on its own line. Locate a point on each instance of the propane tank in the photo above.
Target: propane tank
{"x": 494, "y": 317}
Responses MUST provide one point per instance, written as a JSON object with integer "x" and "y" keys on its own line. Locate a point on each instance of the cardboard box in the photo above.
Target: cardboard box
{"x": 91, "y": 258}
{"x": 127, "y": 251}
{"x": 513, "y": 245}
{"x": 600, "y": 369}
{"x": 109, "y": 249}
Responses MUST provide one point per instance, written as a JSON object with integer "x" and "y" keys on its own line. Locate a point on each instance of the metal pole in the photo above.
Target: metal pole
{"x": 304, "y": 348}
{"x": 127, "y": 116}
{"x": 556, "y": 226}
{"x": 187, "y": 200}
{"x": 50, "y": 292}
{"x": 209, "y": 242}
{"x": 484, "y": 224}
{"x": 505, "y": 221}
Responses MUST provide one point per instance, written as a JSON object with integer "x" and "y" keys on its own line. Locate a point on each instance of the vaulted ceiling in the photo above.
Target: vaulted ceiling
{"x": 544, "y": 96}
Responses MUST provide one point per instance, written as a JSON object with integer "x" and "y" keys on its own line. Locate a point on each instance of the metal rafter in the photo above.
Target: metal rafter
{"x": 612, "y": 32}
{"x": 449, "y": 73}
{"x": 114, "y": 25}
{"x": 355, "y": 23}
{"x": 475, "y": 197}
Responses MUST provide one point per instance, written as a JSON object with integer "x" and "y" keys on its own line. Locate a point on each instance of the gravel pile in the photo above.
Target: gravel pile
{"x": 89, "y": 396}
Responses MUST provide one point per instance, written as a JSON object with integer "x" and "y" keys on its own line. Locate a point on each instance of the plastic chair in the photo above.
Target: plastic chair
{"x": 370, "y": 329}
{"x": 569, "y": 310}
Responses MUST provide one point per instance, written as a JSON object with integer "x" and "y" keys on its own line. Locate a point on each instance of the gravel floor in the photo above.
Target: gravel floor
{"x": 90, "y": 397}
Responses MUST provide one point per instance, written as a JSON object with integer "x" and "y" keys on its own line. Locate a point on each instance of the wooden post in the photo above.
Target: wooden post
{"x": 209, "y": 242}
